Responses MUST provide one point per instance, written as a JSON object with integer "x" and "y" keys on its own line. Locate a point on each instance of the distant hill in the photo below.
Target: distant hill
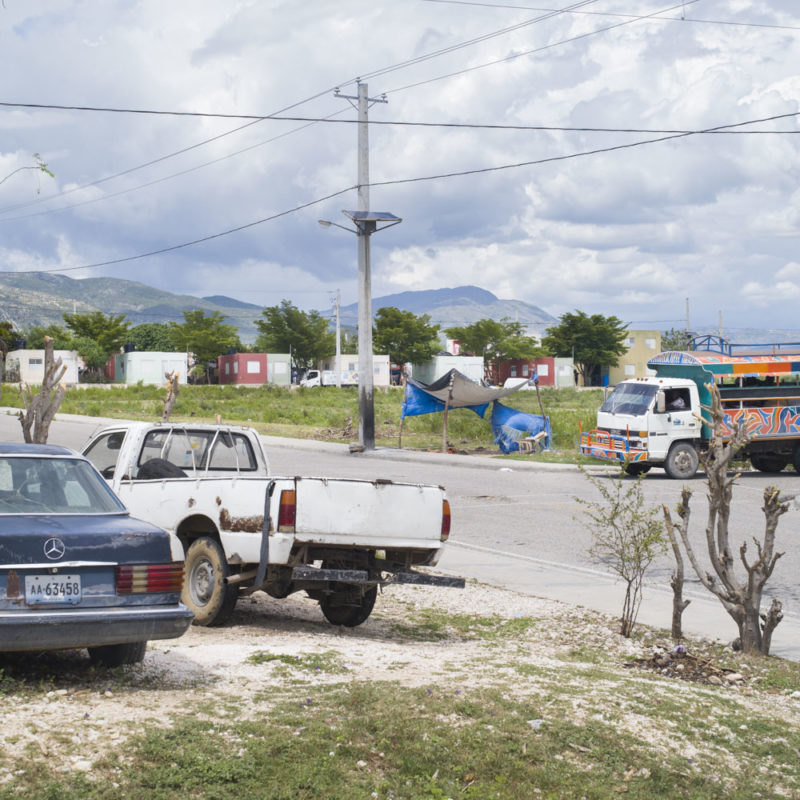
{"x": 461, "y": 305}
{"x": 42, "y": 298}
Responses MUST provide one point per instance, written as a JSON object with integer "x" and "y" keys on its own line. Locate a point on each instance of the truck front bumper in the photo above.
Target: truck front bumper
{"x": 609, "y": 447}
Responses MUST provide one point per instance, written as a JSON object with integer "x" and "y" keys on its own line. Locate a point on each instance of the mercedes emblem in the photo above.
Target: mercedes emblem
{"x": 54, "y": 548}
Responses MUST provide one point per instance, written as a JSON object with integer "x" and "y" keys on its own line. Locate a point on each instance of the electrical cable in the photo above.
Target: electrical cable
{"x": 613, "y": 14}
{"x": 384, "y": 70}
{"x": 398, "y": 181}
{"x": 200, "y": 240}
{"x": 536, "y": 49}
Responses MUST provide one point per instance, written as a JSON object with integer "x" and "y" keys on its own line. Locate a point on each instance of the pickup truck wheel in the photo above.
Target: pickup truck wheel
{"x": 637, "y": 469}
{"x": 682, "y": 461}
{"x": 348, "y": 607}
{"x": 206, "y": 592}
{"x": 115, "y": 655}
{"x": 768, "y": 463}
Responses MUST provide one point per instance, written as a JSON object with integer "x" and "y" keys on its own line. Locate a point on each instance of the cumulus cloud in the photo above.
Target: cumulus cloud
{"x": 632, "y": 232}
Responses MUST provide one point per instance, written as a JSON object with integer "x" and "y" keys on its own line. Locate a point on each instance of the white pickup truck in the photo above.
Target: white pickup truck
{"x": 241, "y": 530}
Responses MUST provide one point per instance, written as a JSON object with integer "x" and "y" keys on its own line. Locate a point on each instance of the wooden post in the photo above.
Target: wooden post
{"x": 173, "y": 387}
{"x": 402, "y": 418}
{"x": 446, "y": 409}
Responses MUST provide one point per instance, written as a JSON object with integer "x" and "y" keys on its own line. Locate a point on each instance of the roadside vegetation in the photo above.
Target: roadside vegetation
{"x": 331, "y": 413}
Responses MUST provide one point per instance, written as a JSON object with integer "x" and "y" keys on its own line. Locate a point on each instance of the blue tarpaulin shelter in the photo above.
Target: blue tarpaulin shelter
{"x": 455, "y": 390}
{"x": 510, "y": 425}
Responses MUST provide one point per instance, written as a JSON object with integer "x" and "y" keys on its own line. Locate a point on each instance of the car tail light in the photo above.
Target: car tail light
{"x": 143, "y": 578}
{"x": 445, "y": 520}
{"x": 287, "y": 512}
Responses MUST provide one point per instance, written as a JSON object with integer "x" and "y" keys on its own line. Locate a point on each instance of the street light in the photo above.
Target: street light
{"x": 366, "y": 223}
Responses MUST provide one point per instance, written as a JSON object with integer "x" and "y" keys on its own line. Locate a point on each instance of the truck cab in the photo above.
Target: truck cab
{"x": 649, "y": 422}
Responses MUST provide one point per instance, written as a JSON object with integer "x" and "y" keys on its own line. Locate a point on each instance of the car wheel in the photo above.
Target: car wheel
{"x": 637, "y": 469}
{"x": 768, "y": 463}
{"x": 206, "y": 592}
{"x": 115, "y": 655}
{"x": 682, "y": 461}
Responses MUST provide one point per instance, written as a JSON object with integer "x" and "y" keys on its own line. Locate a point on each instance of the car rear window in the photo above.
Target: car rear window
{"x": 35, "y": 485}
{"x": 216, "y": 451}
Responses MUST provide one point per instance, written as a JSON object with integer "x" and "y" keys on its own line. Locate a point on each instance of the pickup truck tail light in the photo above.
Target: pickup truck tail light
{"x": 287, "y": 511}
{"x": 143, "y": 578}
{"x": 445, "y": 520}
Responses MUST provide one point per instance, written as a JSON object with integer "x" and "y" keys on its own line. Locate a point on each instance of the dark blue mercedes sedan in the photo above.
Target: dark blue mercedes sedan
{"x": 75, "y": 569}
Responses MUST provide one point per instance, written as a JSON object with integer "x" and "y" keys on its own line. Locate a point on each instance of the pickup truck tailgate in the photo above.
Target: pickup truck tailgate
{"x": 369, "y": 513}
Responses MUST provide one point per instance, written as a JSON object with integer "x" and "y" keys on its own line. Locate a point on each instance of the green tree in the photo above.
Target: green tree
{"x": 94, "y": 357}
{"x": 675, "y": 340}
{"x": 304, "y": 334}
{"x": 207, "y": 336}
{"x": 591, "y": 341}
{"x": 495, "y": 340}
{"x": 151, "y": 336}
{"x": 62, "y": 338}
{"x": 405, "y": 337}
{"x": 109, "y": 331}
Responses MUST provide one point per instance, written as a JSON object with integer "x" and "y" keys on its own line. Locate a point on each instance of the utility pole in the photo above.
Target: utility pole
{"x": 337, "y": 306}
{"x": 366, "y": 399}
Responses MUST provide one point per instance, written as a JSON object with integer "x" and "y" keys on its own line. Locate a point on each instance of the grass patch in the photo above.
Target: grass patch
{"x": 324, "y": 413}
{"x": 430, "y": 625}
{"x": 386, "y": 741}
{"x": 328, "y": 661}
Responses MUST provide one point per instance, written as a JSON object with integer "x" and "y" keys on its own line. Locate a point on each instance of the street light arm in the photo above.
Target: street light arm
{"x": 327, "y": 224}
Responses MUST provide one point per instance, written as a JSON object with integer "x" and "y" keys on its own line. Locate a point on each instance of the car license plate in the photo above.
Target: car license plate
{"x": 55, "y": 589}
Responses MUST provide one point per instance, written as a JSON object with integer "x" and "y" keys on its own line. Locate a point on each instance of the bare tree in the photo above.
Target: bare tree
{"x": 173, "y": 387}
{"x": 41, "y": 407}
{"x": 741, "y": 598}
{"x": 677, "y": 578}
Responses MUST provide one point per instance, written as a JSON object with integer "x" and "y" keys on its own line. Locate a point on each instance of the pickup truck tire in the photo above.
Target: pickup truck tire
{"x": 115, "y": 655}
{"x": 682, "y": 461}
{"x": 206, "y": 592}
{"x": 348, "y": 607}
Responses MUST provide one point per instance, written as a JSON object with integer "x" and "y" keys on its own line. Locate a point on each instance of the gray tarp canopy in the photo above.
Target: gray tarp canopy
{"x": 466, "y": 392}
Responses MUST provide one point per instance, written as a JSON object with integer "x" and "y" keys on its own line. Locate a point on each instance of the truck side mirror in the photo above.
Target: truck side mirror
{"x": 661, "y": 402}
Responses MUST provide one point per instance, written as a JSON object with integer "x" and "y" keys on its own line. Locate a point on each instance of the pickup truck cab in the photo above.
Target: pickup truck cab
{"x": 242, "y": 530}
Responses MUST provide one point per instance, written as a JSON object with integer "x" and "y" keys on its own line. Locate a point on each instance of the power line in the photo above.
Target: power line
{"x": 596, "y": 151}
{"x": 463, "y": 173}
{"x": 631, "y": 16}
{"x": 193, "y": 242}
{"x": 399, "y": 123}
{"x": 535, "y": 50}
{"x": 256, "y": 120}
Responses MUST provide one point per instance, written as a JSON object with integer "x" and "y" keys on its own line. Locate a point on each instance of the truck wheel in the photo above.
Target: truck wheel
{"x": 637, "y": 469}
{"x": 796, "y": 458}
{"x": 206, "y": 592}
{"x": 768, "y": 463}
{"x": 115, "y": 655}
{"x": 682, "y": 461}
{"x": 348, "y": 607}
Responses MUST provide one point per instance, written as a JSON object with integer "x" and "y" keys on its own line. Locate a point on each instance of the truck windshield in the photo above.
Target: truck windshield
{"x": 630, "y": 398}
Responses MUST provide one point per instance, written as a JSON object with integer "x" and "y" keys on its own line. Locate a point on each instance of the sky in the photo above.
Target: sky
{"x": 556, "y": 153}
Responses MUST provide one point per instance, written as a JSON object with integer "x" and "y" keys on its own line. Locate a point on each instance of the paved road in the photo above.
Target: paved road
{"x": 519, "y": 525}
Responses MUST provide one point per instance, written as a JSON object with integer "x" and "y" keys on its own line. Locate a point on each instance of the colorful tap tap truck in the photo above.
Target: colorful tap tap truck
{"x": 658, "y": 421}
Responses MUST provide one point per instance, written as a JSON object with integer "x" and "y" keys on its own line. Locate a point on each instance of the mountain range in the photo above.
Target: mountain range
{"x": 40, "y": 298}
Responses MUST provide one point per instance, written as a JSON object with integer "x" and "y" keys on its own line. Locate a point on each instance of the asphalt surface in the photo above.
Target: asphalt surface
{"x": 517, "y": 524}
